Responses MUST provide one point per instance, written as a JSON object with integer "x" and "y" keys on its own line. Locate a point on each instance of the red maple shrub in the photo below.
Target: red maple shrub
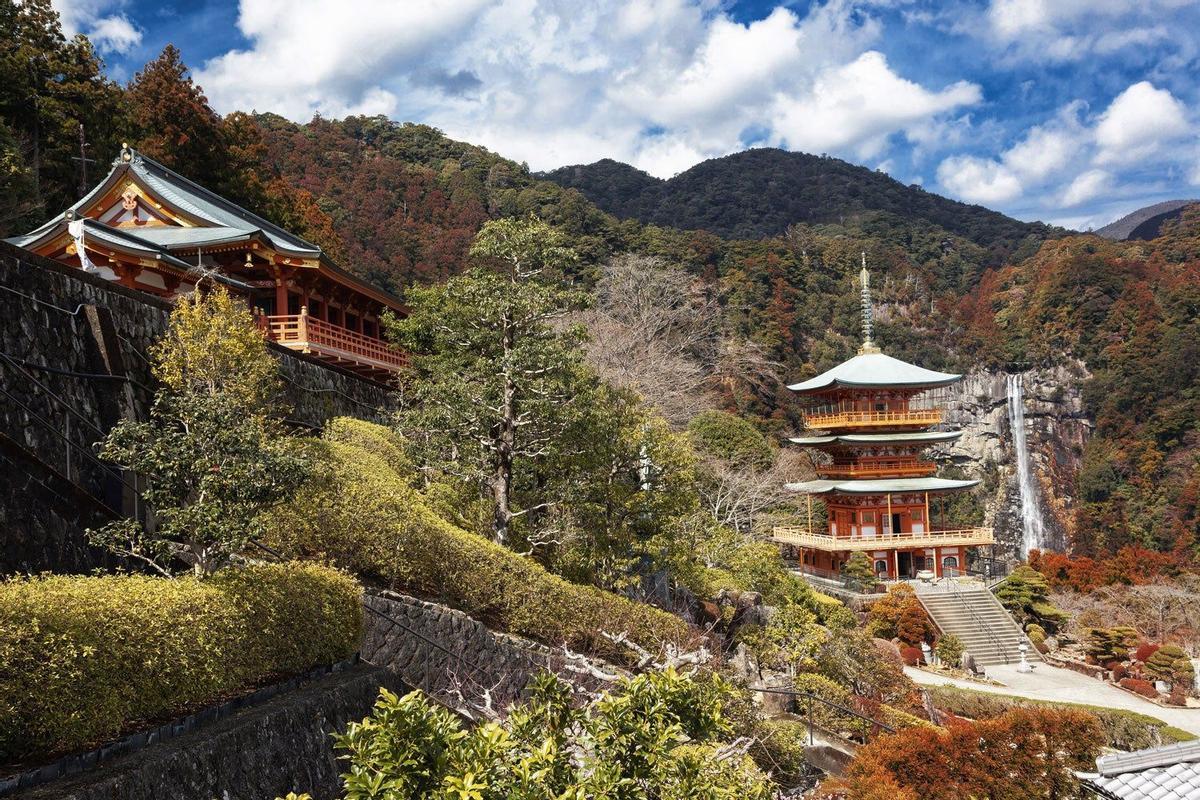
{"x": 1146, "y": 650}
{"x": 1118, "y": 672}
{"x": 1027, "y": 753}
{"x": 1144, "y": 688}
{"x": 911, "y": 655}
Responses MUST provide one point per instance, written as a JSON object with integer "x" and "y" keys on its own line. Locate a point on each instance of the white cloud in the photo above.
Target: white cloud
{"x": 102, "y": 21}
{"x": 1139, "y": 121}
{"x": 1071, "y": 30}
{"x": 858, "y": 105}
{"x": 1086, "y": 186}
{"x": 661, "y": 85}
{"x": 978, "y": 180}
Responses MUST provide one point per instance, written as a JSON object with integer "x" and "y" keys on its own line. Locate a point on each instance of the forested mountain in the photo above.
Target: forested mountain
{"x": 761, "y": 192}
{"x": 956, "y": 286}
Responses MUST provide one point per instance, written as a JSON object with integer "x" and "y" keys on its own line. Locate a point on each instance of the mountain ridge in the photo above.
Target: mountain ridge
{"x": 759, "y": 192}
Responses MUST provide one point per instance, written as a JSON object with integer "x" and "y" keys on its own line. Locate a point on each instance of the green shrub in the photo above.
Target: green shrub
{"x": 1169, "y": 663}
{"x": 949, "y": 650}
{"x": 779, "y": 749}
{"x": 361, "y": 513}
{"x": 82, "y": 657}
{"x": 1124, "y": 730}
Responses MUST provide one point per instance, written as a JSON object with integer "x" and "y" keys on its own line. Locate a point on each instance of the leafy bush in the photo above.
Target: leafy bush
{"x": 1118, "y": 672}
{"x": 911, "y": 655}
{"x": 900, "y": 615}
{"x": 1146, "y": 650}
{"x": 949, "y": 650}
{"x": 1169, "y": 663}
{"x": 656, "y": 735}
{"x": 1124, "y": 730}
{"x": 1144, "y": 688}
{"x": 362, "y": 513}
{"x": 82, "y": 657}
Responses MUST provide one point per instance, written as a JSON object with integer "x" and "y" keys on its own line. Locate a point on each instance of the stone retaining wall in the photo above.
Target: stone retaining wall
{"x": 84, "y": 340}
{"x": 456, "y": 659}
{"x": 262, "y": 753}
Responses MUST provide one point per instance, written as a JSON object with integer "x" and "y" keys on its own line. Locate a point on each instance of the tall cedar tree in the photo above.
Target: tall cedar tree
{"x": 493, "y": 380}
{"x": 174, "y": 122}
{"x": 49, "y": 86}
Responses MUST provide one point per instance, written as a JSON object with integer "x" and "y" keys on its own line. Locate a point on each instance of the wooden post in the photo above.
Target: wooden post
{"x": 937, "y": 562}
{"x": 890, "y": 520}
{"x": 928, "y": 521}
{"x": 281, "y": 295}
{"x": 896, "y": 560}
{"x": 302, "y": 326}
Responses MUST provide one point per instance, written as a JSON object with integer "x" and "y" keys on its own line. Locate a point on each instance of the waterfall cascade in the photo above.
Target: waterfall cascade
{"x": 1032, "y": 528}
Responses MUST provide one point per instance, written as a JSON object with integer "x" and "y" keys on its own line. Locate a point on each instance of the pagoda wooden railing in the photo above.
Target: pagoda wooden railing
{"x": 876, "y": 469}
{"x": 828, "y": 420}
{"x": 802, "y": 537}
{"x": 310, "y": 335}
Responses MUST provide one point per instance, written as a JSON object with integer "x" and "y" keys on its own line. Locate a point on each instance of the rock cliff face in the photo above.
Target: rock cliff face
{"x": 1057, "y": 427}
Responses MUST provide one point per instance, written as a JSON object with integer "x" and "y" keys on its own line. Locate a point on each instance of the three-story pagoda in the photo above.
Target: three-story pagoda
{"x": 871, "y": 418}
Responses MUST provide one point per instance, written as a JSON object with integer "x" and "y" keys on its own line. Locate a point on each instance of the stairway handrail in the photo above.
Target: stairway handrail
{"x": 960, "y": 595}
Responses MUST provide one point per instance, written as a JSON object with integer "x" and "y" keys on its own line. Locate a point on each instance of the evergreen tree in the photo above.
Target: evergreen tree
{"x": 494, "y": 384}
{"x": 49, "y": 87}
{"x": 174, "y": 123}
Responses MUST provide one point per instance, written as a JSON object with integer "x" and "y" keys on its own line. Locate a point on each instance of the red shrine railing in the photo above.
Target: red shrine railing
{"x": 329, "y": 342}
{"x": 802, "y": 537}
{"x": 897, "y": 467}
{"x": 829, "y": 420}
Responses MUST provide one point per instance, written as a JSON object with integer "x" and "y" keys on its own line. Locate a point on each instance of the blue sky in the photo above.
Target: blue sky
{"x": 1070, "y": 111}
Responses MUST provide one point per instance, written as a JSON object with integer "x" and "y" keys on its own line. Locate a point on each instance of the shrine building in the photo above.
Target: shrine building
{"x": 149, "y": 228}
{"x": 870, "y": 419}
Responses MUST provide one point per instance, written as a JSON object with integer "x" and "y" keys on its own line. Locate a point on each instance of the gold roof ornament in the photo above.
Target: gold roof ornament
{"x": 126, "y": 152}
{"x": 868, "y": 319}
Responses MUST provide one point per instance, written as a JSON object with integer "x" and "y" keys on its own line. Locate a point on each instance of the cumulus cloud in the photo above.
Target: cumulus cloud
{"x": 1086, "y": 186}
{"x": 661, "y": 85}
{"x": 1140, "y": 120}
{"x": 978, "y": 180}
{"x": 1077, "y": 158}
{"x": 102, "y": 21}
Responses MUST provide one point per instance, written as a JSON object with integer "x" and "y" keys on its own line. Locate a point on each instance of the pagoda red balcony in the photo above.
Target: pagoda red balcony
{"x": 883, "y": 468}
{"x": 837, "y": 420}
{"x": 803, "y": 537}
{"x": 344, "y": 348}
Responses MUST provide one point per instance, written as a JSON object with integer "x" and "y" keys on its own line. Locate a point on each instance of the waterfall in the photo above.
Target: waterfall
{"x": 1032, "y": 528}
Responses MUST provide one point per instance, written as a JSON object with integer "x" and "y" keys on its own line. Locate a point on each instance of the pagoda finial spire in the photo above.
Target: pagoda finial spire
{"x": 868, "y": 319}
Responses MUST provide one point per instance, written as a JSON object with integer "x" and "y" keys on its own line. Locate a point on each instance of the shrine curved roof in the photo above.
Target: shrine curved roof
{"x": 868, "y": 370}
{"x": 878, "y": 438}
{"x": 889, "y": 486}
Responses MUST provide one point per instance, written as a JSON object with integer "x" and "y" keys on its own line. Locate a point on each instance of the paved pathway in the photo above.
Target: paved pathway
{"x": 1064, "y": 686}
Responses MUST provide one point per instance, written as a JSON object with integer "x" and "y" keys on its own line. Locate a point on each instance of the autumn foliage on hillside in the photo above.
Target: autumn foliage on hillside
{"x": 1130, "y": 312}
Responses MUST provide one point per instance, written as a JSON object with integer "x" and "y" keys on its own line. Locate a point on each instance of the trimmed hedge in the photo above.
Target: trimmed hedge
{"x": 1124, "y": 730}
{"x": 362, "y": 513}
{"x": 82, "y": 657}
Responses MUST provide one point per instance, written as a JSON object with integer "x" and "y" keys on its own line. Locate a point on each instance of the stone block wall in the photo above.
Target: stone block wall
{"x": 456, "y": 659}
{"x": 74, "y": 363}
{"x": 262, "y": 753}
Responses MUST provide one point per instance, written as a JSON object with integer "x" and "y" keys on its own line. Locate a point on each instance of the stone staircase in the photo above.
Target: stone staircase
{"x": 973, "y": 614}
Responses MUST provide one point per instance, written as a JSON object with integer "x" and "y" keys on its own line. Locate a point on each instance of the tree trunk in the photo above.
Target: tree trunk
{"x": 506, "y": 442}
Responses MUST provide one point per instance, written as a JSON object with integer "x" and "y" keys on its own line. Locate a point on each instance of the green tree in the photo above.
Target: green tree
{"x": 214, "y": 452}
{"x": 858, "y": 572}
{"x": 494, "y": 380}
{"x": 949, "y": 650}
{"x": 654, "y": 738}
{"x": 49, "y": 87}
{"x": 625, "y": 485}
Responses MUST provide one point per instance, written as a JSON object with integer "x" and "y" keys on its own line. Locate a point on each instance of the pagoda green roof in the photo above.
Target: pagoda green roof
{"x": 876, "y": 370}
{"x": 891, "y": 486}
{"x": 878, "y": 438}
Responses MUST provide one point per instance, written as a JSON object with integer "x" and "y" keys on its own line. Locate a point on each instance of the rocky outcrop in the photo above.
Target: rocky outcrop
{"x": 1057, "y": 429}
